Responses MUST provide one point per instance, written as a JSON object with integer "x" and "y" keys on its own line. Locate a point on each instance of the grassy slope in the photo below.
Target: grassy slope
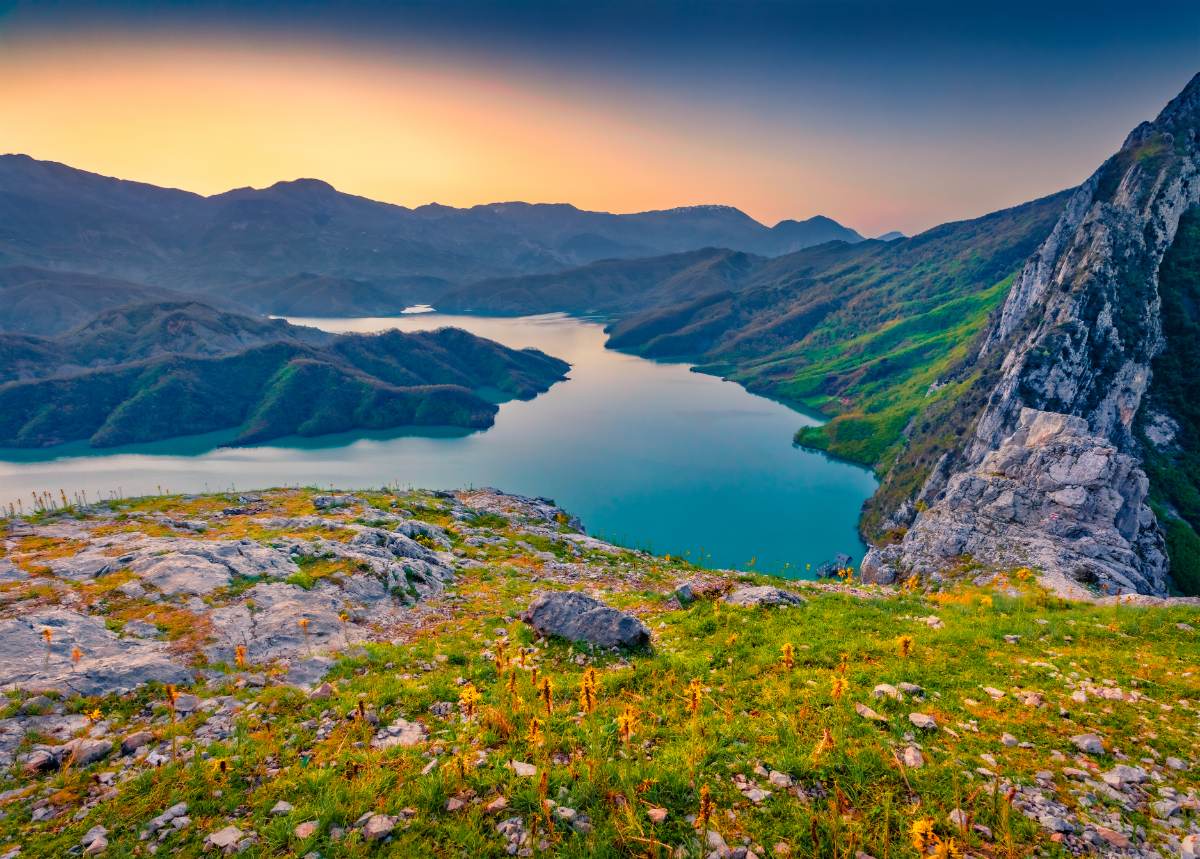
{"x": 859, "y": 333}
{"x": 754, "y": 709}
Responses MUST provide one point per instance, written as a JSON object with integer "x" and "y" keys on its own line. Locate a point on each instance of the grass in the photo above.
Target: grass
{"x": 853, "y": 793}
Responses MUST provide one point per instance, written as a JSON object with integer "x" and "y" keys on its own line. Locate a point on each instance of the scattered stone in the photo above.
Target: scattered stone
{"x": 282, "y": 809}
{"x": 224, "y": 839}
{"x": 306, "y": 830}
{"x": 135, "y": 741}
{"x": 523, "y": 769}
{"x": 578, "y": 617}
{"x": 657, "y": 815}
{"x": 869, "y": 714}
{"x": 886, "y": 690}
{"x": 1088, "y": 743}
{"x": 400, "y": 733}
{"x": 913, "y": 758}
{"x": 378, "y": 826}
{"x": 751, "y": 596}
{"x": 923, "y": 721}
{"x": 94, "y": 841}
{"x": 497, "y": 804}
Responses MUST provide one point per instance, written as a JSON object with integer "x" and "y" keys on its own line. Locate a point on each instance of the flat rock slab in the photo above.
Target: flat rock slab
{"x": 108, "y": 664}
{"x": 579, "y": 617}
{"x": 762, "y": 595}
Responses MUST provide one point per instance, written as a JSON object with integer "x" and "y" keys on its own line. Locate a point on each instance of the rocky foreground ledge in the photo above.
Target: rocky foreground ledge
{"x": 296, "y": 673}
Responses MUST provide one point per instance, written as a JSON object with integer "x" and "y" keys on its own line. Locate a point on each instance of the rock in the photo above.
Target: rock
{"x": 322, "y": 693}
{"x": 958, "y": 819}
{"x": 378, "y": 827}
{"x": 94, "y": 841}
{"x": 84, "y": 752}
{"x": 1123, "y": 774}
{"x": 869, "y": 714}
{"x": 923, "y": 721}
{"x": 400, "y": 733}
{"x": 993, "y": 693}
{"x": 579, "y": 617}
{"x": 110, "y": 664}
{"x": 685, "y": 594}
{"x": 523, "y": 769}
{"x": 1008, "y": 740}
{"x": 912, "y": 689}
{"x": 332, "y": 502}
{"x": 282, "y": 809}
{"x": 454, "y": 804}
{"x": 1050, "y": 477}
{"x": 912, "y": 757}
{"x": 306, "y": 830}
{"x": 185, "y": 704}
{"x": 1177, "y": 764}
{"x": 781, "y": 780}
{"x": 762, "y": 595}
{"x": 497, "y": 804}
{"x": 1189, "y": 847}
{"x": 886, "y": 690}
{"x": 1089, "y": 743}
{"x": 224, "y": 839}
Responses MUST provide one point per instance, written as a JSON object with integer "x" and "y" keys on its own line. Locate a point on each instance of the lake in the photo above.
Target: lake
{"x": 647, "y": 454}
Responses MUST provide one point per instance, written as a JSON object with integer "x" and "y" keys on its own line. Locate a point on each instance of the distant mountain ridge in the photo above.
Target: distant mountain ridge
{"x": 59, "y": 218}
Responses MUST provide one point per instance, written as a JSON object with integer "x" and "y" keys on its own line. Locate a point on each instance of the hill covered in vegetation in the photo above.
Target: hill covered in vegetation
{"x": 290, "y": 672}
{"x": 157, "y": 371}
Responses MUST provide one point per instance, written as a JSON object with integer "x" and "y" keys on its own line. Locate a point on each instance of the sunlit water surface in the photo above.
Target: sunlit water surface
{"x": 647, "y": 454}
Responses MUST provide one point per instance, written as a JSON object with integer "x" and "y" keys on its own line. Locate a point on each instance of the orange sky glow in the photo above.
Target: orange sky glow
{"x": 208, "y": 115}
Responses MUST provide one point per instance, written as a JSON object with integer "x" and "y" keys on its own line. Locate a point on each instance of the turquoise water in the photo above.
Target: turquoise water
{"x": 649, "y": 455}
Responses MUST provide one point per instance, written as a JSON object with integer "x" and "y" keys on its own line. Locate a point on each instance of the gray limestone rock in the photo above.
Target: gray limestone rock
{"x": 762, "y": 595}
{"x": 579, "y": 617}
{"x": 1051, "y": 476}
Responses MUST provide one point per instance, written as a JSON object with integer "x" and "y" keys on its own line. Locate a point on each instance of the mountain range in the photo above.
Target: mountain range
{"x": 295, "y": 240}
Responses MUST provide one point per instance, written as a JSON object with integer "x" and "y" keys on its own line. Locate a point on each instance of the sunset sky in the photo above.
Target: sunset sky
{"x": 881, "y": 115}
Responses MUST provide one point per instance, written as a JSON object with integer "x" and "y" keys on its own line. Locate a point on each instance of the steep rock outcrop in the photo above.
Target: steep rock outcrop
{"x": 1051, "y": 475}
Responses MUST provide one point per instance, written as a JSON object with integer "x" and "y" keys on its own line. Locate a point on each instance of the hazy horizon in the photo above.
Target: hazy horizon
{"x": 880, "y": 115}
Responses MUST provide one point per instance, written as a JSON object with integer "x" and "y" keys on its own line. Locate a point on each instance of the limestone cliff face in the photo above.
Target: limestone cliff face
{"x": 1051, "y": 475}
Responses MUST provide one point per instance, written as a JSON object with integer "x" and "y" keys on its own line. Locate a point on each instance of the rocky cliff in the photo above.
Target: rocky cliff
{"x": 1051, "y": 475}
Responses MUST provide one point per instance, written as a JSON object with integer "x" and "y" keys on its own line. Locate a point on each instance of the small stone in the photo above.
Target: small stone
{"x": 912, "y": 689}
{"x": 281, "y": 809}
{"x": 886, "y": 690}
{"x": 224, "y": 839}
{"x": 135, "y": 741}
{"x": 1117, "y": 839}
{"x": 1008, "y": 740}
{"x": 322, "y": 692}
{"x": 913, "y": 758}
{"x": 497, "y": 804}
{"x": 523, "y": 769}
{"x": 923, "y": 721}
{"x": 657, "y": 815}
{"x": 957, "y": 818}
{"x": 1176, "y": 764}
{"x": 1089, "y": 743}
{"x": 305, "y": 830}
{"x": 994, "y": 693}
{"x": 780, "y": 780}
{"x": 869, "y": 714}
{"x": 378, "y": 827}
{"x": 1189, "y": 847}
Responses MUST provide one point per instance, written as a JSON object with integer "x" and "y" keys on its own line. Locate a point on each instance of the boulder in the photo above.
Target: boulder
{"x": 762, "y": 595}
{"x": 579, "y": 617}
